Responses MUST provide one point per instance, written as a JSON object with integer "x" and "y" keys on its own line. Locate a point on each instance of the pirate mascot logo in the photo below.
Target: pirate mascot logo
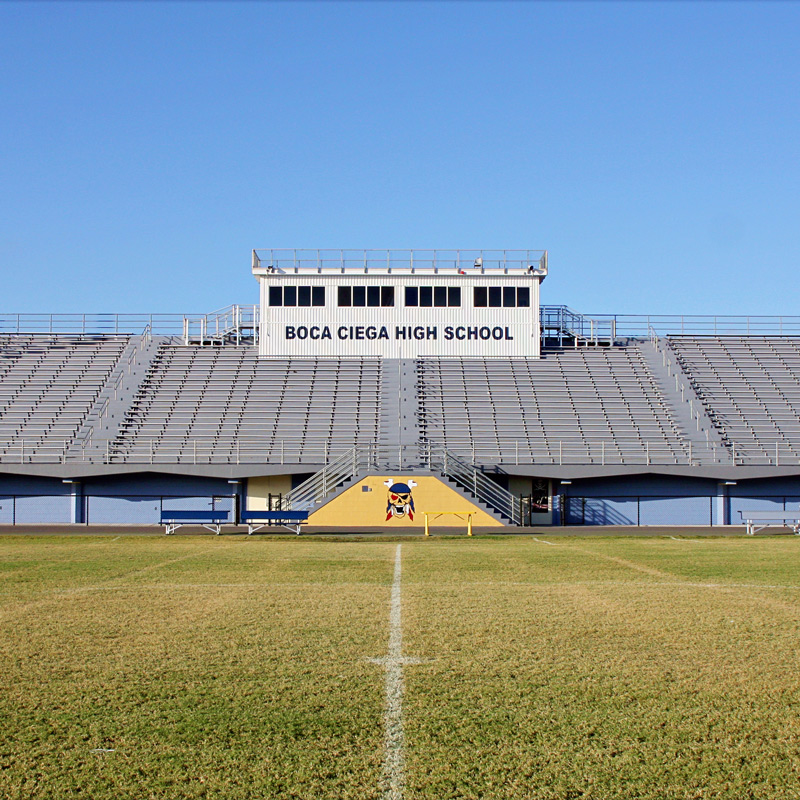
{"x": 400, "y": 503}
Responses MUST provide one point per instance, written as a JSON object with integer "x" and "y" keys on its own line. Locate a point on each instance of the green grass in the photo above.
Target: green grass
{"x": 237, "y": 667}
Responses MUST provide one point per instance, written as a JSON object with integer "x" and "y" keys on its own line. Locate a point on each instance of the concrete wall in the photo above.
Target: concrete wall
{"x": 132, "y": 499}
{"x": 365, "y": 505}
{"x": 638, "y": 500}
{"x": 661, "y": 500}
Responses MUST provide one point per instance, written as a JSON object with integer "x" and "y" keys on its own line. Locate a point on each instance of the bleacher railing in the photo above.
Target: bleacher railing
{"x": 93, "y": 324}
{"x": 242, "y": 320}
{"x": 639, "y": 325}
{"x": 201, "y": 450}
{"x": 230, "y": 323}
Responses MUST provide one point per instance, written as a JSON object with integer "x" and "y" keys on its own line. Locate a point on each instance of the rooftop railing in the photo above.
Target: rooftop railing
{"x": 467, "y": 261}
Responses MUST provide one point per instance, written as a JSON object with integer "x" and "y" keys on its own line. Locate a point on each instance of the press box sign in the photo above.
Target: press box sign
{"x": 461, "y": 312}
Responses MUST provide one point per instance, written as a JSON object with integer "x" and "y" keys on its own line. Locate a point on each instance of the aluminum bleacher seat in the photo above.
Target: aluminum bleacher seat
{"x": 592, "y": 405}
{"x": 750, "y": 387}
{"x": 48, "y": 386}
{"x": 218, "y": 400}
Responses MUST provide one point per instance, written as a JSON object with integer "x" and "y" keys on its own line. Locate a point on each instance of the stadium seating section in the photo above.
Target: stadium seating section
{"x": 225, "y": 403}
{"x": 750, "y": 387}
{"x": 221, "y": 403}
{"x": 48, "y": 385}
{"x": 577, "y": 406}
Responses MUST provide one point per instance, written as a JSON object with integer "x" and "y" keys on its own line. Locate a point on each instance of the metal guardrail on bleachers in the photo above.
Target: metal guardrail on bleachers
{"x": 588, "y": 327}
{"x": 232, "y": 323}
{"x": 205, "y": 451}
{"x": 639, "y": 325}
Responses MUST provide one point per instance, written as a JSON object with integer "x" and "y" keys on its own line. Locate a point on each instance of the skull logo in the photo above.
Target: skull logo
{"x": 400, "y": 503}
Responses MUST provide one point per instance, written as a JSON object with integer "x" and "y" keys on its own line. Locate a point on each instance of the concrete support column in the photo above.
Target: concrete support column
{"x": 76, "y": 498}
{"x": 724, "y": 502}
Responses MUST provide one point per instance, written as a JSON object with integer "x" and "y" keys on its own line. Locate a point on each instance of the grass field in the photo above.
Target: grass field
{"x": 239, "y": 667}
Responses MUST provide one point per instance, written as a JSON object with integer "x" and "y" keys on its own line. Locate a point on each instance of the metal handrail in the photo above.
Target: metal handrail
{"x": 467, "y": 261}
{"x": 481, "y": 487}
{"x": 488, "y": 453}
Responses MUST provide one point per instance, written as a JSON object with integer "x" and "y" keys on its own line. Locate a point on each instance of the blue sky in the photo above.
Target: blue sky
{"x": 652, "y": 148}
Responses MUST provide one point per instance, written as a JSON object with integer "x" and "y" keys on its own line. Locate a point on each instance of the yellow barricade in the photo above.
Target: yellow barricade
{"x": 460, "y": 514}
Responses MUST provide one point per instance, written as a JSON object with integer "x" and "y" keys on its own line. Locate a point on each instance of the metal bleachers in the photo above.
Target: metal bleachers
{"x": 750, "y": 387}
{"x": 224, "y": 404}
{"x": 48, "y": 385}
{"x": 592, "y": 405}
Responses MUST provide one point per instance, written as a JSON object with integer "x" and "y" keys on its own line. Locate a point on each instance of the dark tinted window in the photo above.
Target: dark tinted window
{"x": 276, "y": 295}
{"x": 412, "y": 296}
{"x": 480, "y": 297}
{"x": 345, "y": 296}
{"x": 359, "y": 296}
{"x": 454, "y": 296}
{"x": 387, "y": 296}
{"x": 524, "y": 297}
{"x": 304, "y": 295}
{"x": 440, "y": 296}
{"x": 317, "y": 295}
{"x": 290, "y": 295}
{"x": 426, "y": 296}
{"x": 373, "y": 296}
{"x": 495, "y": 296}
{"x": 509, "y": 297}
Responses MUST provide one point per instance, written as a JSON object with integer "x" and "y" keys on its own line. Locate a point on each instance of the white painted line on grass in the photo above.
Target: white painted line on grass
{"x": 691, "y": 541}
{"x": 393, "y": 663}
{"x": 543, "y": 541}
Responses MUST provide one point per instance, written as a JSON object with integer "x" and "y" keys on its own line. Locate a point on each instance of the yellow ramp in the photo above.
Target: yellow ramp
{"x": 399, "y": 501}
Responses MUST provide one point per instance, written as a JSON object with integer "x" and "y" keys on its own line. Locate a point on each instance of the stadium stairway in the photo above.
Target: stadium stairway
{"x": 103, "y": 421}
{"x": 474, "y": 491}
{"x": 399, "y": 410}
{"x": 345, "y": 504}
{"x": 689, "y": 412}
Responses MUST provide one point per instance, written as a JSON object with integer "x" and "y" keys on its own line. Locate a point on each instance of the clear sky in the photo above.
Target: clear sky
{"x": 652, "y": 148}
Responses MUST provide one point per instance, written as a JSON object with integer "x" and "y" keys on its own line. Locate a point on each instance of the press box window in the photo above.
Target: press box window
{"x": 297, "y": 295}
{"x": 366, "y": 296}
{"x": 433, "y": 296}
{"x": 502, "y": 297}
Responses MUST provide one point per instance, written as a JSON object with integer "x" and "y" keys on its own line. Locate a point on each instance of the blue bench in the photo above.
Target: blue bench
{"x": 256, "y": 520}
{"x": 210, "y": 520}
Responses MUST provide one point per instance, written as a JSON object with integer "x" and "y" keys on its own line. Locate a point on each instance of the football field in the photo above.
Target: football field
{"x": 525, "y": 667}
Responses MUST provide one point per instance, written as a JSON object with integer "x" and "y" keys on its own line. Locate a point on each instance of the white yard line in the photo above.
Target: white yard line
{"x": 543, "y": 541}
{"x": 395, "y": 740}
{"x": 394, "y": 661}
